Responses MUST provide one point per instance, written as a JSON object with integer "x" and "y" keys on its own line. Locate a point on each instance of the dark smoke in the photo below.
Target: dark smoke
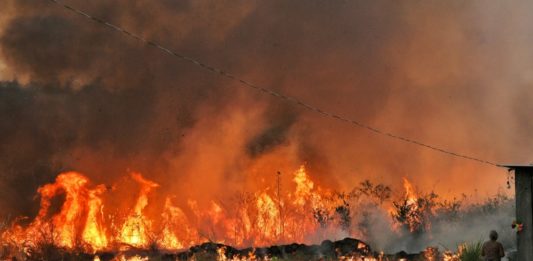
{"x": 280, "y": 121}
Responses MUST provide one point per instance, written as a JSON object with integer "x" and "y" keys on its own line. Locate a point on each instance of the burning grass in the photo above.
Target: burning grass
{"x": 84, "y": 226}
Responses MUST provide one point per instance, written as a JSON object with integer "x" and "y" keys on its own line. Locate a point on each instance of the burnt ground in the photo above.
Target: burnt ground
{"x": 327, "y": 250}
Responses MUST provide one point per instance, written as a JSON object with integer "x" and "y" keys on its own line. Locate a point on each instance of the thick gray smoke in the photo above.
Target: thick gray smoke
{"x": 469, "y": 224}
{"x": 77, "y": 96}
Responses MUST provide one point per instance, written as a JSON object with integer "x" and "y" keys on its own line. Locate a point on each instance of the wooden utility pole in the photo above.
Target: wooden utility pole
{"x": 524, "y": 209}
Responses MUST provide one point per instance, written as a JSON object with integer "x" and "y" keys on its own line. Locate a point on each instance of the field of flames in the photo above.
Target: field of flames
{"x": 74, "y": 217}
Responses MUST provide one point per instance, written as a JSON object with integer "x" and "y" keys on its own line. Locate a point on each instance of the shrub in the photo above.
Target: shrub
{"x": 471, "y": 251}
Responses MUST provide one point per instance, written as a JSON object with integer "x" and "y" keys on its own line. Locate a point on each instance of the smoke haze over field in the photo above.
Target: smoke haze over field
{"x": 78, "y": 96}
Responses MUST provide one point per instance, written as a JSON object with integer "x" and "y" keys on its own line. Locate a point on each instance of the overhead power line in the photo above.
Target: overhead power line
{"x": 276, "y": 94}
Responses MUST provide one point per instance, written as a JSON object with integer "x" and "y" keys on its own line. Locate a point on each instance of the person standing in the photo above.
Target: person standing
{"x": 492, "y": 250}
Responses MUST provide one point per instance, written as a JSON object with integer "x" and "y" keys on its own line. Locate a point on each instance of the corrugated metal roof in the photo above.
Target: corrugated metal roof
{"x": 518, "y": 166}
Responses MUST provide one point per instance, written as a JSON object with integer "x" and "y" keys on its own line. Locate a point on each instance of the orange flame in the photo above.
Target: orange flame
{"x": 94, "y": 231}
{"x": 410, "y": 194}
{"x": 260, "y": 218}
{"x": 135, "y": 229}
{"x": 79, "y": 220}
{"x": 67, "y": 221}
{"x": 175, "y": 226}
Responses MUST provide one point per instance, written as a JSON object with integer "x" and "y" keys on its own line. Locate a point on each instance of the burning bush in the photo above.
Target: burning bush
{"x": 413, "y": 211}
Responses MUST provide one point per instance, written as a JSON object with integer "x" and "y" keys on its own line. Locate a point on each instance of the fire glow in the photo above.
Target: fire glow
{"x": 78, "y": 216}
{"x": 84, "y": 221}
